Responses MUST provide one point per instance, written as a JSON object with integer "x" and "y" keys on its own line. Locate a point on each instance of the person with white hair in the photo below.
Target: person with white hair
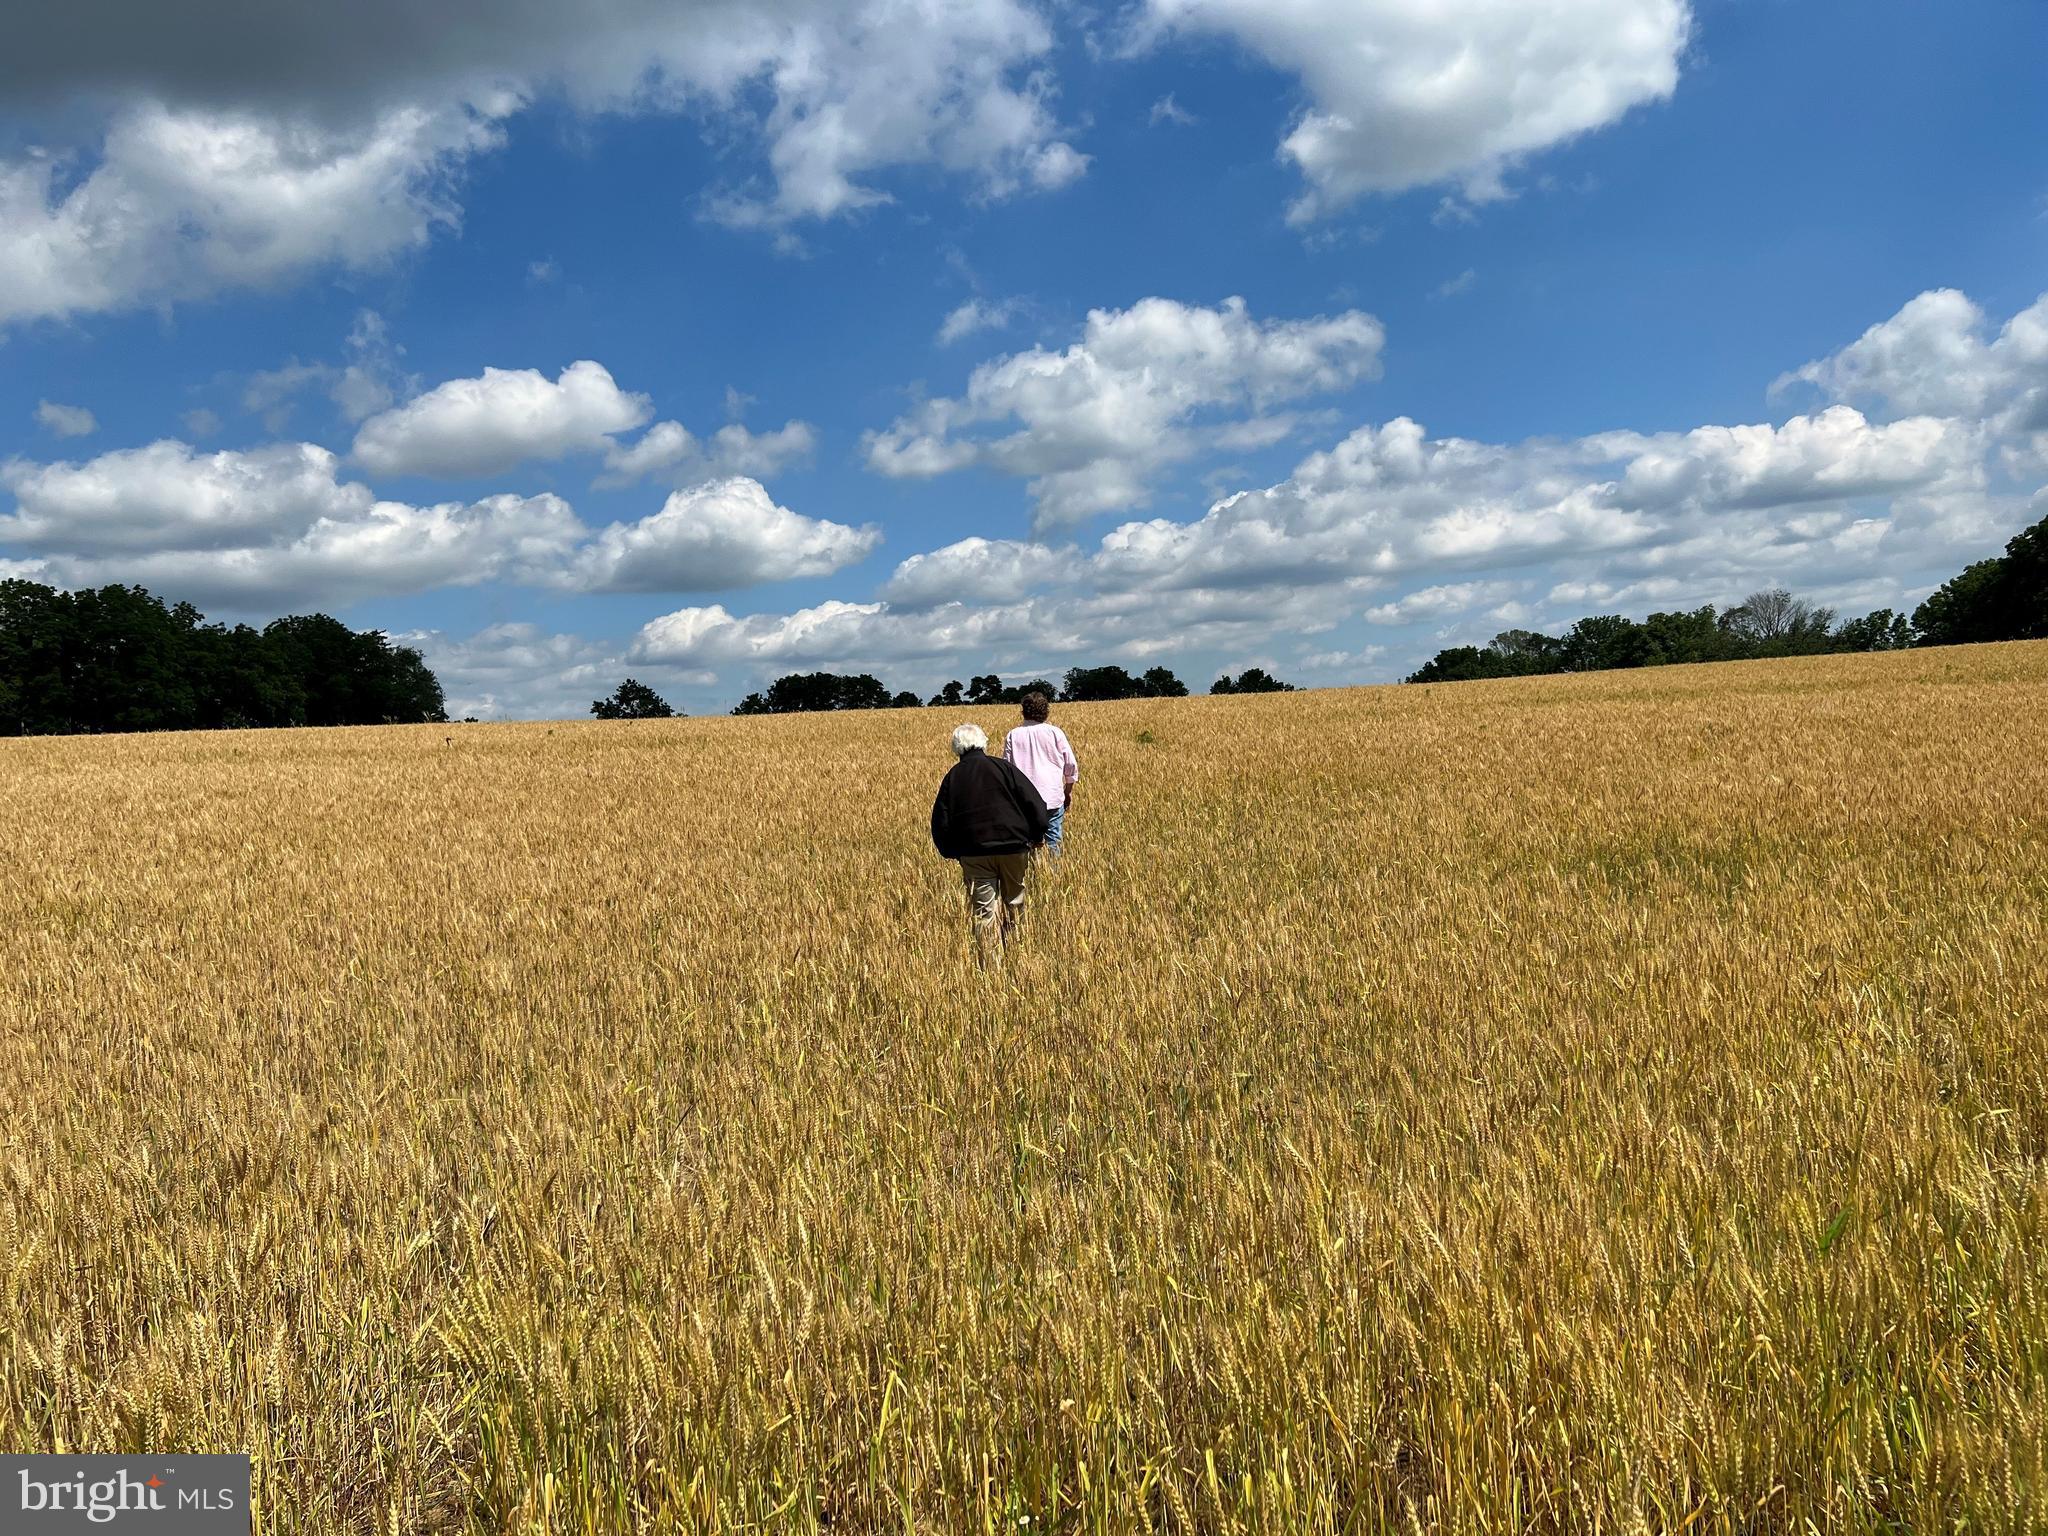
{"x": 989, "y": 817}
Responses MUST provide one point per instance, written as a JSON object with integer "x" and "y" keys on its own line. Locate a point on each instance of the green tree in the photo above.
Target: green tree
{"x": 118, "y": 658}
{"x": 2026, "y": 583}
{"x": 35, "y": 652}
{"x": 1879, "y": 631}
{"x": 1964, "y": 608}
{"x": 1251, "y": 680}
{"x": 1457, "y": 664}
{"x": 346, "y": 678}
{"x": 1603, "y": 642}
{"x": 948, "y": 696}
{"x": 1159, "y": 683}
{"x": 131, "y": 661}
{"x": 632, "y": 700}
{"x": 1524, "y": 652}
{"x": 1687, "y": 636}
{"x": 244, "y": 683}
{"x": 1999, "y": 599}
{"x": 809, "y": 692}
{"x": 1092, "y": 684}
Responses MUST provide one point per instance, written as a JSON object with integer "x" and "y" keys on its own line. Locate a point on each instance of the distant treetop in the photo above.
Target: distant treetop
{"x": 1250, "y": 680}
{"x": 632, "y": 700}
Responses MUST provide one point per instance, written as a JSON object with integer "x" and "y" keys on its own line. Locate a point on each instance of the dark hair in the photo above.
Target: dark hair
{"x": 1036, "y": 706}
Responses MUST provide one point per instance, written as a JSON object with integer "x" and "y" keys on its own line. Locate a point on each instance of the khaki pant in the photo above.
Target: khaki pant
{"x": 995, "y": 892}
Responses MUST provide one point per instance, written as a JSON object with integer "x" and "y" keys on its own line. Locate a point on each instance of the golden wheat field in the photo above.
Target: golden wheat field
{"x": 1610, "y": 1103}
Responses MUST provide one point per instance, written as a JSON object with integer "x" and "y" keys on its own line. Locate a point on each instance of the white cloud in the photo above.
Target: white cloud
{"x": 1929, "y": 357}
{"x": 1439, "y": 602}
{"x": 1833, "y": 455}
{"x": 1390, "y": 502}
{"x": 668, "y": 449}
{"x": 1035, "y": 633}
{"x": 266, "y": 527}
{"x": 167, "y": 497}
{"x": 1408, "y": 93}
{"x": 976, "y": 570}
{"x": 715, "y": 537}
{"x": 974, "y": 316}
{"x": 483, "y": 426}
{"x": 737, "y": 451}
{"x": 275, "y": 525}
{"x": 65, "y": 420}
{"x": 861, "y": 87}
{"x": 1167, "y": 110}
{"x": 1352, "y": 663}
{"x": 1933, "y": 357}
{"x": 1462, "y": 283}
{"x": 1142, "y": 388}
{"x": 387, "y": 549}
{"x": 183, "y": 202}
{"x": 201, "y": 422}
{"x": 270, "y": 141}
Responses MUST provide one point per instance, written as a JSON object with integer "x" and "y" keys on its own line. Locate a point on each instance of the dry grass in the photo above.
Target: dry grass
{"x": 1611, "y": 1103}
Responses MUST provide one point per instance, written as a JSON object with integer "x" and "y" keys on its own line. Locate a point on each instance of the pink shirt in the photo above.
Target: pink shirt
{"x": 1047, "y": 759}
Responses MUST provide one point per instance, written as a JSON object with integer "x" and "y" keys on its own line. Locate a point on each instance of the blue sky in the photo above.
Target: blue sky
{"x": 706, "y": 342}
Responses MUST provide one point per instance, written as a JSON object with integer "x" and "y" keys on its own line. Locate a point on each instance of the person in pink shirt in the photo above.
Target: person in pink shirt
{"x": 1042, "y": 751}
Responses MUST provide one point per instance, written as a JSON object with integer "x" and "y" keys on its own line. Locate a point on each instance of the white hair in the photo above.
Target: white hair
{"x": 969, "y": 738}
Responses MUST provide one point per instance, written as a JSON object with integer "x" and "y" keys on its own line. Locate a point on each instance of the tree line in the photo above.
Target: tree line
{"x": 803, "y": 692}
{"x": 2005, "y": 598}
{"x": 119, "y": 658}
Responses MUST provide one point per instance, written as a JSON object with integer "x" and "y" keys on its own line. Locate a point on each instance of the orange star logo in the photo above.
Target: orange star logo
{"x": 155, "y": 1481}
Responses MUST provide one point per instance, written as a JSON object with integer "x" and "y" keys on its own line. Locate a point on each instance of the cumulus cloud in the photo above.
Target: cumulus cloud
{"x": 65, "y": 420}
{"x": 276, "y": 525}
{"x": 1089, "y": 427}
{"x": 388, "y": 549}
{"x": 183, "y": 202}
{"x": 1392, "y": 502}
{"x": 714, "y": 537}
{"x": 1439, "y": 602}
{"x": 1028, "y": 635}
{"x": 1934, "y": 356}
{"x": 1407, "y": 93}
{"x": 267, "y": 527}
{"x": 267, "y": 141}
{"x": 483, "y": 426}
{"x": 169, "y": 497}
{"x": 669, "y": 450}
{"x": 976, "y": 570}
